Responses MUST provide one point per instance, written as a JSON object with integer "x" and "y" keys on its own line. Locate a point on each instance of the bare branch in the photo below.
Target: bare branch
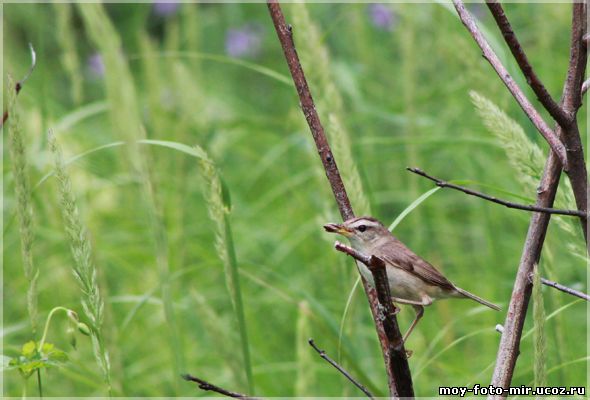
{"x": 517, "y": 93}
{"x": 19, "y": 84}
{"x": 543, "y": 95}
{"x": 333, "y": 363}
{"x": 206, "y": 386}
{"x": 387, "y": 312}
{"x": 571, "y": 103}
{"x": 508, "y": 350}
{"x": 509, "y": 344}
{"x": 509, "y": 204}
{"x": 565, "y": 289}
{"x": 397, "y": 369}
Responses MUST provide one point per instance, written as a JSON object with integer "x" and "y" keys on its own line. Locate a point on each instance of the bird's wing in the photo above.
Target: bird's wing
{"x": 399, "y": 256}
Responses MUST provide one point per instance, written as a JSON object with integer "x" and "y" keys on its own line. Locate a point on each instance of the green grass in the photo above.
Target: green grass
{"x": 168, "y": 268}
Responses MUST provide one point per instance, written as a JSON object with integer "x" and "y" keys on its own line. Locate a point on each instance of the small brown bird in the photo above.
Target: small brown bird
{"x": 412, "y": 280}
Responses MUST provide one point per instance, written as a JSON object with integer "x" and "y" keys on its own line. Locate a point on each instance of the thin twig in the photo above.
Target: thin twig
{"x": 509, "y": 204}
{"x": 533, "y": 80}
{"x": 333, "y": 363}
{"x": 549, "y": 135}
{"x": 19, "y": 84}
{"x": 204, "y": 385}
{"x": 398, "y": 370}
{"x": 565, "y": 289}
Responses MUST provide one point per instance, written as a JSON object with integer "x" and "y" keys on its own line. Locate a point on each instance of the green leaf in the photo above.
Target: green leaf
{"x": 47, "y": 348}
{"x": 29, "y": 349}
{"x": 190, "y": 150}
{"x": 225, "y": 194}
{"x": 412, "y": 206}
{"x": 57, "y": 357}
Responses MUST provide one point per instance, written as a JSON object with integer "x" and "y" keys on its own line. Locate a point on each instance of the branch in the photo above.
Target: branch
{"x": 386, "y": 313}
{"x": 565, "y": 289}
{"x": 571, "y": 103}
{"x": 398, "y": 373}
{"x": 543, "y": 95}
{"x": 509, "y": 204}
{"x": 508, "y": 350}
{"x": 19, "y": 84}
{"x": 517, "y": 93}
{"x": 333, "y": 363}
{"x": 206, "y": 386}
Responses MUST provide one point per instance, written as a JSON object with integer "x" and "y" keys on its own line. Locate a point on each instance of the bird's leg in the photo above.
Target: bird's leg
{"x": 419, "y": 313}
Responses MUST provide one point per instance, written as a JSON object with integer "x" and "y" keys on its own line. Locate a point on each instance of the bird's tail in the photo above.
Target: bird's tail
{"x": 478, "y": 299}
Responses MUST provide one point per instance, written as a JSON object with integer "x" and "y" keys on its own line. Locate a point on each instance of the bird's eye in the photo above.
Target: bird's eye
{"x": 362, "y": 228}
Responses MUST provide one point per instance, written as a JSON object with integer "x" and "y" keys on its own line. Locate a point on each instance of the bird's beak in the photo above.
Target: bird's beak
{"x": 337, "y": 228}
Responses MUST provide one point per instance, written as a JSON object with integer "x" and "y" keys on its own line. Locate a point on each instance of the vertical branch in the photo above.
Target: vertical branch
{"x": 571, "y": 102}
{"x": 509, "y": 344}
{"x": 400, "y": 384}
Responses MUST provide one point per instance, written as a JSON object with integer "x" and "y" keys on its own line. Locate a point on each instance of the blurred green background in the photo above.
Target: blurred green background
{"x": 392, "y": 85}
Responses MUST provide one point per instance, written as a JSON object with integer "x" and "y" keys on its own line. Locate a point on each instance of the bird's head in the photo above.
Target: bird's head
{"x": 361, "y": 231}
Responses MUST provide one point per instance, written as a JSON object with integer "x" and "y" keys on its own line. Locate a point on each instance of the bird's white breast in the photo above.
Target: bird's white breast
{"x": 404, "y": 285}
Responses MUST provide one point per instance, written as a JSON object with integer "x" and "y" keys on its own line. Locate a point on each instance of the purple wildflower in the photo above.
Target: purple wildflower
{"x": 96, "y": 65}
{"x": 381, "y": 16}
{"x": 243, "y": 42}
{"x": 165, "y": 8}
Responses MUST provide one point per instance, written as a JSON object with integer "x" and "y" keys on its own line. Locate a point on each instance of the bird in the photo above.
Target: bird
{"x": 412, "y": 280}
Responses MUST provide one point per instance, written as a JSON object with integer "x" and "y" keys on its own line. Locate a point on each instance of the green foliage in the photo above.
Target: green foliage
{"x": 33, "y": 358}
{"x": 83, "y": 267}
{"x": 24, "y": 209}
{"x": 527, "y": 160}
{"x": 219, "y": 206}
{"x": 539, "y": 331}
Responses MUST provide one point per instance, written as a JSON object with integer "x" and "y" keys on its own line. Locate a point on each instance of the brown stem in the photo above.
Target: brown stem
{"x": 399, "y": 378}
{"x": 340, "y": 369}
{"x": 549, "y": 135}
{"x": 387, "y": 312}
{"x": 571, "y": 102}
{"x": 506, "y": 203}
{"x": 19, "y": 84}
{"x": 509, "y": 345}
{"x": 565, "y": 289}
{"x": 206, "y": 386}
{"x": 533, "y": 80}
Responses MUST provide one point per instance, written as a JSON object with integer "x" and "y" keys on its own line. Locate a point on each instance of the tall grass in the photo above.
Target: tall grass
{"x": 527, "y": 160}
{"x": 219, "y": 206}
{"x": 329, "y": 103}
{"x": 539, "y": 331}
{"x": 24, "y": 208}
{"x": 83, "y": 267}
{"x": 126, "y": 119}
{"x": 69, "y": 56}
{"x": 306, "y": 373}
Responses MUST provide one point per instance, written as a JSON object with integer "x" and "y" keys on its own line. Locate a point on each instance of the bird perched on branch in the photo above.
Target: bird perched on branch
{"x": 412, "y": 280}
